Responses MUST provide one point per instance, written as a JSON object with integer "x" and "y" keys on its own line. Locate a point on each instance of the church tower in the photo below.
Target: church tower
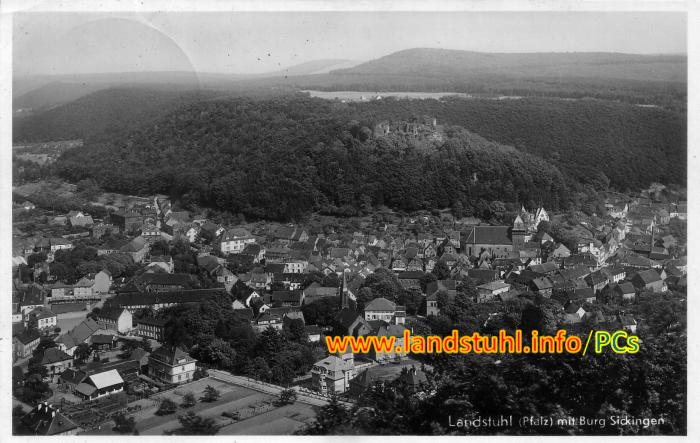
{"x": 518, "y": 234}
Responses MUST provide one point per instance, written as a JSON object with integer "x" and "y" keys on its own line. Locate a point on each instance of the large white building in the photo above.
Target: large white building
{"x": 235, "y": 240}
{"x": 332, "y": 375}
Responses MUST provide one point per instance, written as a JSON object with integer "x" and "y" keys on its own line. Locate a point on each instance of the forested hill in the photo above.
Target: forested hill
{"x": 102, "y": 114}
{"x": 456, "y": 63}
{"x": 632, "y": 145}
{"x": 285, "y": 157}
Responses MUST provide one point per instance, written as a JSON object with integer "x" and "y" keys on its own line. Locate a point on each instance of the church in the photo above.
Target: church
{"x": 498, "y": 241}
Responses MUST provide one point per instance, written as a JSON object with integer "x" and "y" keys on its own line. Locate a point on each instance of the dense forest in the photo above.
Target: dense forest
{"x": 632, "y": 146}
{"x": 279, "y": 154}
{"x": 286, "y": 157}
{"x": 102, "y": 114}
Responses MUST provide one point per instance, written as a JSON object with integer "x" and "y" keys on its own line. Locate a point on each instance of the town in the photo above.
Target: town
{"x": 128, "y": 309}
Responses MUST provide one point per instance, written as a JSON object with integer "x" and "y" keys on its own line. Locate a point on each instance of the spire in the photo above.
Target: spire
{"x": 344, "y": 304}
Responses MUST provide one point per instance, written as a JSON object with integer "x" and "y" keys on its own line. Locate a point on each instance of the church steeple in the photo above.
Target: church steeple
{"x": 344, "y": 302}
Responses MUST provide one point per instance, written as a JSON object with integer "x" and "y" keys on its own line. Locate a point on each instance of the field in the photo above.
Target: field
{"x": 367, "y": 95}
{"x": 257, "y": 414}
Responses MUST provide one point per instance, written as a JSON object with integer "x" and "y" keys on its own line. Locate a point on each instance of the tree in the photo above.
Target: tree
{"x": 124, "y": 425}
{"x": 193, "y": 424}
{"x": 166, "y": 407}
{"x": 82, "y": 353}
{"x": 210, "y": 394}
{"x": 287, "y": 397}
{"x": 441, "y": 271}
{"x": 188, "y": 400}
{"x": 258, "y": 369}
{"x": 296, "y": 330}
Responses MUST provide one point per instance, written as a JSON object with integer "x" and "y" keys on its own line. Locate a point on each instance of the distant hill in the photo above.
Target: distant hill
{"x": 39, "y": 93}
{"x": 461, "y": 64}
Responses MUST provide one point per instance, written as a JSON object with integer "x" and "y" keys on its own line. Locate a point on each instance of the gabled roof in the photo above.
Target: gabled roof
{"x": 334, "y": 365}
{"x": 46, "y": 420}
{"x": 106, "y": 379}
{"x": 647, "y": 276}
{"x": 380, "y": 304}
{"x": 489, "y": 235}
{"x": 54, "y": 355}
{"x": 170, "y": 355}
{"x": 110, "y": 313}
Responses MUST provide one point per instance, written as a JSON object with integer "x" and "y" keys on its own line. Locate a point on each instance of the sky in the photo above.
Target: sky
{"x": 257, "y": 42}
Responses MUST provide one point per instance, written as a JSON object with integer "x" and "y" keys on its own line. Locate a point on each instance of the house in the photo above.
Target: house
{"x": 42, "y": 318}
{"x": 165, "y": 262}
{"x": 83, "y": 288}
{"x": 628, "y": 323}
{"x": 102, "y": 282}
{"x": 546, "y": 268}
{"x": 287, "y": 298}
{"x": 542, "y": 286}
{"x": 80, "y": 334}
{"x": 127, "y": 221}
{"x": 582, "y": 295}
{"x": 314, "y": 333}
{"x": 56, "y": 361}
{"x": 489, "y": 291}
{"x": 159, "y": 282}
{"x": 625, "y": 291}
{"x": 573, "y": 314}
{"x": 349, "y": 322}
{"x": 234, "y": 240}
{"x": 648, "y": 280}
{"x": 382, "y": 309}
{"x": 383, "y": 329}
{"x": 150, "y": 328}
{"x": 25, "y": 343}
{"x": 117, "y": 319}
{"x": 410, "y": 279}
{"x": 46, "y": 420}
{"x": 597, "y": 280}
{"x": 80, "y": 220}
{"x": 332, "y": 375}
{"x": 100, "y": 385}
{"x": 171, "y": 365}
{"x": 58, "y": 244}
{"x": 560, "y": 252}
{"x": 137, "y": 248}
{"x": 315, "y": 292}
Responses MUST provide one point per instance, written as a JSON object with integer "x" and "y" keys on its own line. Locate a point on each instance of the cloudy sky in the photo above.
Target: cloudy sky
{"x": 245, "y": 42}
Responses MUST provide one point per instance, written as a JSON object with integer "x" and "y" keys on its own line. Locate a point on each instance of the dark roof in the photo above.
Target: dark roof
{"x": 45, "y": 420}
{"x": 162, "y": 278}
{"x": 440, "y": 285}
{"x": 150, "y": 321}
{"x": 625, "y": 288}
{"x": 110, "y": 313}
{"x": 583, "y": 293}
{"x": 346, "y": 317}
{"x": 175, "y": 297}
{"x": 489, "y": 235}
{"x": 73, "y": 376}
{"x": 28, "y": 336}
{"x": 275, "y": 268}
{"x": 411, "y": 275}
{"x": 102, "y": 339}
{"x": 647, "y": 276}
{"x": 286, "y": 296}
{"x": 170, "y": 355}
{"x": 54, "y": 355}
